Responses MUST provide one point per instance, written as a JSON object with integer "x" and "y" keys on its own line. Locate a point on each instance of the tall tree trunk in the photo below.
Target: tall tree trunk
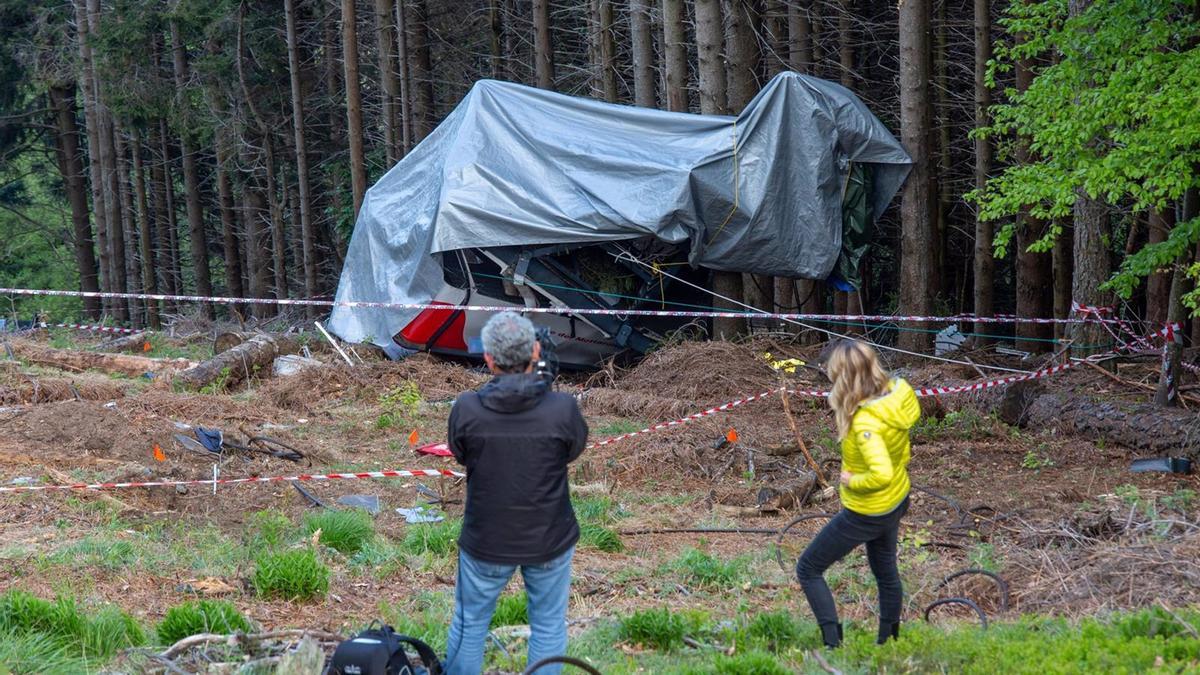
{"x": 108, "y": 180}
{"x": 743, "y": 55}
{"x": 145, "y": 235}
{"x": 1158, "y": 284}
{"x": 70, "y": 165}
{"x": 406, "y": 114}
{"x": 916, "y": 208}
{"x": 160, "y": 188}
{"x": 87, "y": 78}
{"x": 496, "y": 35}
{"x": 985, "y": 259}
{"x": 842, "y": 300}
{"x": 128, "y": 226}
{"x": 1168, "y": 382}
{"x": 1092, "y": 268}
{"x": 709, "y": 45}
{"x": 197, "y": 237}
{"x": 675, "y": 65}
{"x": 420, "y": 68}
{"x": 846, "y": 43}
{"x": 1064, "y": 271}
{"x": 354, "y": 122}
{"x": 800, "y": 36}
{"x": 278, "y": 237}
{"x": 1092, "y": 262}
{"x": 389, "y": 88}
{"x": 709, "y": 41}
{"x": 775, "y": 30}
{"x": 112, "y": 199}
{"x": 605, "y": 49}
{"x": 229, "y": 239}
{"x": 169, "y": 236}
{"x": 302, "y": 177}
{"x": 1035, "y": 287}
{"x": 543, "y": 45}
{"x": 641, "y": 38}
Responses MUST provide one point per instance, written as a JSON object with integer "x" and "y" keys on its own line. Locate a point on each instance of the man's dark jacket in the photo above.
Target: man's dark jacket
{"x": 516, "y": 437}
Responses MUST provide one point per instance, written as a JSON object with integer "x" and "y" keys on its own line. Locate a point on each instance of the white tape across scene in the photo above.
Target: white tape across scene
{"x": 697, "y": 314}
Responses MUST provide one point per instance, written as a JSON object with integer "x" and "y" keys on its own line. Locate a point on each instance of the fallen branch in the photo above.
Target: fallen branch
{"x": 823, "y": 663}
{"x": 812, "y": 463}
{"x": 240, "y": 638}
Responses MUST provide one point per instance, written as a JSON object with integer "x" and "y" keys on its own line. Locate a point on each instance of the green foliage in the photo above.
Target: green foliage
{"x": 654, "y": 628}
{"x": 776, "y": 630}
{"x": 63, "y": 624}
{"x": 749, "y": 663}
{"x": 965, "y": 424}
{"x": 601, "y": 510}
{"x": 600, "y": 538}
{"x": 1181, "y": 500}
{"x": 707, "y": 571}
{"x": 424, "y": 616}
{"x": 345, "y": 531}
{"x": 400, "y": 406}
{"x": 202, "y": 616}
{"x": 983, "y": 556}
{"x": 218, "y": 385}
{"x": 1033, "y": 460}
{"x": 511, "y": 610}
{"x": 267, "y": 529}
{"x": 291, "y": 575}
{"x": 438, "y": 539}
{"x": 1112, "y": 116}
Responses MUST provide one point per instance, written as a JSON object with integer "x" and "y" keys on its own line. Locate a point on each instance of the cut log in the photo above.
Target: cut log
{"x": 234, "y": 365}
{"x": 1138, "y": 426}
{"x": 126, "y": 343}
{"x": 227, "y": 341}
{"x": 79, "y": 361}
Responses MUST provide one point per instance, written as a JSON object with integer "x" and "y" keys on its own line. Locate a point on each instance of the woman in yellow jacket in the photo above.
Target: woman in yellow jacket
{"x": 873, "y": 416}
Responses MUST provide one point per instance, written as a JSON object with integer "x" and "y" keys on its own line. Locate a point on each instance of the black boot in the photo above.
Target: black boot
{"x": 831, "y": 634}
{"x": 888, "y": 629}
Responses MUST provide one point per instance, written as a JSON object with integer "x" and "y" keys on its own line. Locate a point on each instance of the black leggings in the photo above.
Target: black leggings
{"x": 843, "y": 533}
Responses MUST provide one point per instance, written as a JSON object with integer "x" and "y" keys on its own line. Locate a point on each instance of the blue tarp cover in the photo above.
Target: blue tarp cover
{"x": 515, "y": 165}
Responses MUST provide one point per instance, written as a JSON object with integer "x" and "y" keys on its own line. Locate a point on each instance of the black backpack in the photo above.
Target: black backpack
{"x": 380, "y": 651}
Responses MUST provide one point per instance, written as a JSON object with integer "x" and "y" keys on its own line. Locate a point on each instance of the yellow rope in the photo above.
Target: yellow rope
{"x": 736, "y": 173}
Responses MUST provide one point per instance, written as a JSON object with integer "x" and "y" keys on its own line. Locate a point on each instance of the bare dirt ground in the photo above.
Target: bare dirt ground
{"x": 1060, "y": 518}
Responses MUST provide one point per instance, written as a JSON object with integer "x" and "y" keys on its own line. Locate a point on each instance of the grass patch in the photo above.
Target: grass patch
{"x": 426, "y": 617}
{"x": 60, "y": 628}
{"x": 659, "y": 629}
{"x": 381, "y": 557}
{"x": 291, "y": 575}
{"x": 705, "y": 570}
{"x": 97, "y": 551}
{"x": 775, "y": 631}
{"x": 437, "y": 539}
{"x": 202, "y": 616}
{"x": 600, "y": 538}
{"x": 511, "y": 610}
{"x": 617, "y": 428}
{"x": 344, "y": 531}
{"x": 749, "y": 663}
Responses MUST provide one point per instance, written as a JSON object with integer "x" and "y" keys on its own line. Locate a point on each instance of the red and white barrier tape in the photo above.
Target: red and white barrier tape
{"x": 96, "y": 328}
{"x": 684, "y": 420}
{"x": 551, "y": 310}
{"x": 236, "y": 481}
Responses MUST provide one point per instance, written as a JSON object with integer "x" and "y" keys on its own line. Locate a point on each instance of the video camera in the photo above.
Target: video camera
{"x": 547, "y": 364}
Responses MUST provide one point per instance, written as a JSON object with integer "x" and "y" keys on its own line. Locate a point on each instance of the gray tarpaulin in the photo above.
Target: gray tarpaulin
{"x": 514, "y": 165}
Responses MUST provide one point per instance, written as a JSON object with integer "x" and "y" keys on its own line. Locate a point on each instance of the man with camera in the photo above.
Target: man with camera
{"x": 515, "y": 437}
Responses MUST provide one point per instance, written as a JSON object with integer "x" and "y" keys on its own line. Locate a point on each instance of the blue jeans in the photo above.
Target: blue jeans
{"x": 479, "y": 584}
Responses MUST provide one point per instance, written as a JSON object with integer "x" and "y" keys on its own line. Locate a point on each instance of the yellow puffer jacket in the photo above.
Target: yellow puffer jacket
{"x": 876, "y": 451}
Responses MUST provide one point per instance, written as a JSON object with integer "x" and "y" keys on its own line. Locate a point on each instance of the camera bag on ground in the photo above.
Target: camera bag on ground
{"x": 380, "y": 651}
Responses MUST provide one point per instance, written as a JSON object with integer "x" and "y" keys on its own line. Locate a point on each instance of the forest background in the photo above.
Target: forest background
{"x": 222, "y": 147}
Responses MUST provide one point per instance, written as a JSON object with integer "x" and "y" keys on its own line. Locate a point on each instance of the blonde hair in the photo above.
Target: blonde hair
{"x": 857, "y": 376}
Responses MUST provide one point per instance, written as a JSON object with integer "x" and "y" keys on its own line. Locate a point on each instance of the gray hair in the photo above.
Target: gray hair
{"x": 509, "y": 338}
